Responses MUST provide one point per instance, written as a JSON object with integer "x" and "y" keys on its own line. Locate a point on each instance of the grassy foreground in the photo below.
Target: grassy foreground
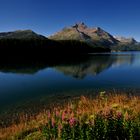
{"x": 106, "y": 117}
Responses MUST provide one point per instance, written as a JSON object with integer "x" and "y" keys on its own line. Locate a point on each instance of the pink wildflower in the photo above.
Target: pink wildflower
{"x": 72, "y": 121}
{"x": 63, "y": 116}
{"x": 53, "y": 122}
{"x": 59, "y": 127}
{"x": 57, "y": 113}
{"x": 119, "y": 114}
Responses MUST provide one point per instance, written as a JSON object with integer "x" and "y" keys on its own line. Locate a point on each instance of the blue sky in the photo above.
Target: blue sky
{"x": 118, "y": 17}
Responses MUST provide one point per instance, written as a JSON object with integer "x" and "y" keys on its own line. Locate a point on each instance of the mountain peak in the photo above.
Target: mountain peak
{"x": 80, "y": 31}
{"x": 80, "y": 25}
{"x": 98, "y": 29}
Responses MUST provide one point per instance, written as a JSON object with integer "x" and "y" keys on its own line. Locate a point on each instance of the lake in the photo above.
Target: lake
{"x": 32, "y": 82}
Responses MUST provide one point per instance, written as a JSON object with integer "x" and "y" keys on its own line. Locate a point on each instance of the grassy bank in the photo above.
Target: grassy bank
{"x": 109, "y": 117}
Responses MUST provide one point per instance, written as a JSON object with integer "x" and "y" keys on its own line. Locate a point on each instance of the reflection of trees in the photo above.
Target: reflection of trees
{"x": 78, "y": 66}
{"x": 31, "y": 65}
{"x": 21, "y": 67}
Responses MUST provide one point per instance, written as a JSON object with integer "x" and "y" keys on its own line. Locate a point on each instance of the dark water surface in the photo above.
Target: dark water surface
{"x": 21, "y": 83}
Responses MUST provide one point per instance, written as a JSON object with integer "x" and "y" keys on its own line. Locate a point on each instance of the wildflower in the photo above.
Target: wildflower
{"x": 53, "y": 122}
{"x": 63, "y": 116}
{"x": 72, "y": 121}
{"x": 49, "y": 115}
{"x": 59, "y": 126}
{"x": 119, "y": 115}
{"x": 57, "y": 113}
{"x": 59, "y": 129}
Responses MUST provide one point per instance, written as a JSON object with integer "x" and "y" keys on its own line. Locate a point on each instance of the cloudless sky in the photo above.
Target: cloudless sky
{"x": 118, "y": 17}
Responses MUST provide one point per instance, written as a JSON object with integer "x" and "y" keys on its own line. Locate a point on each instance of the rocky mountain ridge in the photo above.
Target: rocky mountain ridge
{"x": 79, "y": 32}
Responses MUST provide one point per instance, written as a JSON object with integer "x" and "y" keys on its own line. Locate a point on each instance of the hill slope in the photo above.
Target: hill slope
{"x": 21, "y": 34}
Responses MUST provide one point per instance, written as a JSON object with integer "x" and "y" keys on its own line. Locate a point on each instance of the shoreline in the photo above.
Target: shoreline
{"x": 35, "y": 106}
{"x": 112, "y": 99}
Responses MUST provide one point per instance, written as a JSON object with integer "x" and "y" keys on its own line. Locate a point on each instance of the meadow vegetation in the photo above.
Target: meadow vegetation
{"x": 106, "y": 117}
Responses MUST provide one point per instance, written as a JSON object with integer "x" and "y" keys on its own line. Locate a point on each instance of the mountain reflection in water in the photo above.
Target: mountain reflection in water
{"x": 78, "y": 67}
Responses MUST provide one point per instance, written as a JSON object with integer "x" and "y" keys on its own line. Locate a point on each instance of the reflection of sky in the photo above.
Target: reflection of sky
{"x": 136, "y": 63}
{"x": 123, "y": 59}
{"x": 23, "y": 82}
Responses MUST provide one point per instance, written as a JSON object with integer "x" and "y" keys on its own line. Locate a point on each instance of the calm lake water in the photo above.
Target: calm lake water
{"x": 35, "y": 81}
